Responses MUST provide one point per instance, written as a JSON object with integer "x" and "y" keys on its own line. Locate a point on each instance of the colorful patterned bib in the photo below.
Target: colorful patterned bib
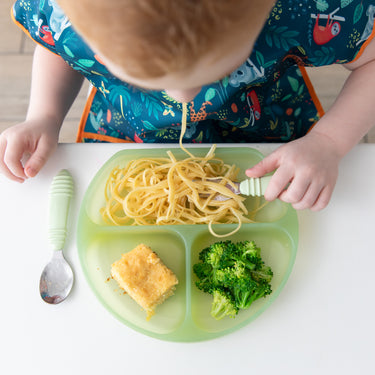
{"x": 267, "y": 99}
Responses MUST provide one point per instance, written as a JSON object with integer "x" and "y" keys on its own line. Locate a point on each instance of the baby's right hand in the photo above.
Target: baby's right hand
{"x": 34, "y": 139}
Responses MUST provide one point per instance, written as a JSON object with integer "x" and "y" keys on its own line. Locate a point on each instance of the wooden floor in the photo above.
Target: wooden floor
{"x": 16, "y": 51}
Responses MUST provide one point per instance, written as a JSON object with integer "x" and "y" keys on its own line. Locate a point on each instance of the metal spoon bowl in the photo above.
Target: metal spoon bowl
{"x": 56, "y": 280}
{"x": 57, "y": 277}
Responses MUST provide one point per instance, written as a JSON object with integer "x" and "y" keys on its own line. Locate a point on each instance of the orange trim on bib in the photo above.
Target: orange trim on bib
{"x": 104, "y": 138}
{"x": 312, "y": 92}
{"x": 85, "y": 114}
{"x": 81, "y": 134}
{"x": 365, "y": 44}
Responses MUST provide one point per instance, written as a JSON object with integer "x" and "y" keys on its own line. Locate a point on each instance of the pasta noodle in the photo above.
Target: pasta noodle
{"x": 160, "y": 191}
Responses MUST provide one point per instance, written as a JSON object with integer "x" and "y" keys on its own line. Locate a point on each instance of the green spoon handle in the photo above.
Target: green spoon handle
{"x": 60, "y": 194}
{"x": 255, "y": 186}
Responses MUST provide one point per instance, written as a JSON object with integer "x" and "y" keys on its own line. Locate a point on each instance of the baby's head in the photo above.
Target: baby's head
{"x": 169, "y": 44}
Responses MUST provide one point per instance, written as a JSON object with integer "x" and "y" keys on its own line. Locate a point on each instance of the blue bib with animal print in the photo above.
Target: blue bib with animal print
{"x": 267, "y": 99}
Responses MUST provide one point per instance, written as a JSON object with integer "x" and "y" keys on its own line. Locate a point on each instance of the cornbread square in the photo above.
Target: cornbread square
{"x": 146, "y": 279}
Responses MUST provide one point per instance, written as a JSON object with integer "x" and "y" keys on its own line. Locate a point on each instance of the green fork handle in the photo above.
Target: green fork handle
{"x": 60, "y": 194}
{"x": 255, "y": 186}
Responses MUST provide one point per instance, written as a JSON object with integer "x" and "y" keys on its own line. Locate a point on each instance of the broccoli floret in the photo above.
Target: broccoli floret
{"x": 263, "y": 289}
{"x": 213, "y": 254}
{"x": 248, "y": 248}
{"x": 205, "y": 275}
{"x": 239, "y": 282}
{"x": 243, "y": 290}
{"x": 223, "y": 305}
{"x": 230, "y": 275}
{"x": 203, "y": 254}
{"x": 250, "y": 255}
{"x": 225, "y": 276}
{"x": 245, "y": 296}
{"x": 235, "y": 274}
{"x": 264, "y": 273}
{"x": 202, "y": 270}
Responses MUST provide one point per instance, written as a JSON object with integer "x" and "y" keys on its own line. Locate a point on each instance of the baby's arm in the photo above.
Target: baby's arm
{"x": 54, "y": 87}
{"x": 310, "y": 163}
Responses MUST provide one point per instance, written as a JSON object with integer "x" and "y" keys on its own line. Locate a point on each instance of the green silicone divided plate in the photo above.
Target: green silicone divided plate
{"x": 186, "y": 315}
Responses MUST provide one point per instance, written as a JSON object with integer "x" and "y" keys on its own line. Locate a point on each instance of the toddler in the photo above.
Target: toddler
{"x": 238, "y": 64}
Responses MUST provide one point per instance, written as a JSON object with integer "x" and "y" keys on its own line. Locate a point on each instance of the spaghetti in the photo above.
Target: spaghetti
{"x": 160, "y": 191}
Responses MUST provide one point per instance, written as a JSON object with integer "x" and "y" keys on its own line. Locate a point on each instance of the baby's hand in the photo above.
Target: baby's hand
{"x": 309, "y": 164}
{"x": 34, "y": 138}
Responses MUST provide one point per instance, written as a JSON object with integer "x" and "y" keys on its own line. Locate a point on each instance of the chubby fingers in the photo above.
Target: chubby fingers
{"x": 314, "y": 196}
{"x": 11, "y": 160}
{"x": 279, "y": 180}
{"x": 266, "y": 165}
{"x": 39, "y": 157}
{"x": 12, "y": 153}
{"x": 301, "y": 190}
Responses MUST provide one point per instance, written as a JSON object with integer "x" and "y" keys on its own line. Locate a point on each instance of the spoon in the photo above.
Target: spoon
{"x": 57, "y": 277}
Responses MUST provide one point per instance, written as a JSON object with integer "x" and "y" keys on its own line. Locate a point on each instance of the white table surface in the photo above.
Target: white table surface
{"x": 322, "y": 322}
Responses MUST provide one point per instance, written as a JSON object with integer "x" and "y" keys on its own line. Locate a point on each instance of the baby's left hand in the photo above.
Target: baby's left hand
{"x": 309, "y": 164}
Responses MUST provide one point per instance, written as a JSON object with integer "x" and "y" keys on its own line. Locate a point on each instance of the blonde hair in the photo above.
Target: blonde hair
{"x": 151, "y": 38}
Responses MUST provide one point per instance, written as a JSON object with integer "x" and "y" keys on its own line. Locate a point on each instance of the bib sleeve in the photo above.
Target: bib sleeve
{"x": 43, "y": 21}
